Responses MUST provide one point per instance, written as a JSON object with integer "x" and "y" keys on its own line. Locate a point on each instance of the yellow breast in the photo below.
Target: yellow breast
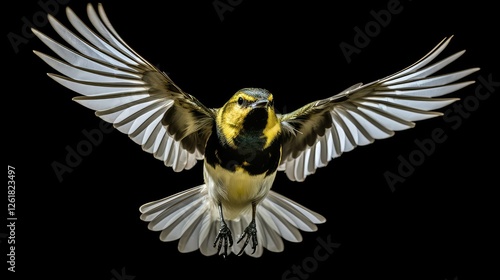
{"x": 236, "y": 190}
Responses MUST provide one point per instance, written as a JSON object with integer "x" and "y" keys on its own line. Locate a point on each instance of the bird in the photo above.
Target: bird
{"x": 244, "y": 143}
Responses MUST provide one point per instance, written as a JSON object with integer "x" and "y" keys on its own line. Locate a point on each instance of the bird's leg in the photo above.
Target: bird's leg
{"x": 250, "y": 232}
{"x": 224, "y": 237}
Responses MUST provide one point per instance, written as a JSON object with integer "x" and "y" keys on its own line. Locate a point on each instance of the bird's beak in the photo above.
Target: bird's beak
{"x": 260, "y": 104}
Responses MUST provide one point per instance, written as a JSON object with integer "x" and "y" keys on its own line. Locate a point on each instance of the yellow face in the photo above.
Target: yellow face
{"x": 241, "y": 108}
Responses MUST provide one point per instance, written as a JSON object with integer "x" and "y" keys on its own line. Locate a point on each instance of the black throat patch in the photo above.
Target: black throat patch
{"x": 256, "y": 120}
{"x": 249, "y": 154}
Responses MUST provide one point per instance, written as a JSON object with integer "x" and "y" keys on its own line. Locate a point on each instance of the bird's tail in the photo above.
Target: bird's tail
{"x": 191, "y": 218}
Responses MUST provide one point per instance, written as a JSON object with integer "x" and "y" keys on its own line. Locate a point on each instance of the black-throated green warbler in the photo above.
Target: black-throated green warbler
{"x": 244, "y": 143}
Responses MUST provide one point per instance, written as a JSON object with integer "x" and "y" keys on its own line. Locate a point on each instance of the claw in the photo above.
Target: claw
{"x": 251, "y": 233}
{"x": 223, "y": 238}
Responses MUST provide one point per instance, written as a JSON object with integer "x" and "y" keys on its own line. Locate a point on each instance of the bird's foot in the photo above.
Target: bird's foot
{"x": 223, "y": 238}
{"x": 251, "y": 233}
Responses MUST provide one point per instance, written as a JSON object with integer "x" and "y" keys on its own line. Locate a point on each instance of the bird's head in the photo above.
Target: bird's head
{"x": 250, "y": 111}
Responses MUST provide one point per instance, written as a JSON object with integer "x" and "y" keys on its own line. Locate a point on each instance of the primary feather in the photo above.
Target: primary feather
{"x": 126, "y": 90}
{"x": 324, "y": 129}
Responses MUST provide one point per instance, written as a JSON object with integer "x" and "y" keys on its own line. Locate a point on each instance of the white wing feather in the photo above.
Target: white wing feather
{"x": 376, "y": 111}
{"x": 109, "y": 75}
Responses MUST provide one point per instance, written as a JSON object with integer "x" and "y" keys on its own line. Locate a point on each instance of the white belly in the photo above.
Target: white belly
{"x": 236, "y": 191}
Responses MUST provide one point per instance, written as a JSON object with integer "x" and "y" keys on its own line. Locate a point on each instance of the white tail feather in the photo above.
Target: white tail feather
{"x": 192, "y": 218}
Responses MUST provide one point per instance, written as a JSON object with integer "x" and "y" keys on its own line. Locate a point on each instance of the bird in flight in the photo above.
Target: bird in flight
{"x": 242, "y": 144}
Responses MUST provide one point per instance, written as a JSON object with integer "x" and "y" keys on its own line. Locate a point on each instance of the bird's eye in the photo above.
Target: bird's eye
{"x": 240, "y": 101}
{"x": 271, "y": 103}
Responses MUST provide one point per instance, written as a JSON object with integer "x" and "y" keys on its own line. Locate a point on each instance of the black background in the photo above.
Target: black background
{"x": 437, "y": 224}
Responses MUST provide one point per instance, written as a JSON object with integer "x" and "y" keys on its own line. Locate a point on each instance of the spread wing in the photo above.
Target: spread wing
{"x": 323, "y": 130}
{"x": 126, "y": 90}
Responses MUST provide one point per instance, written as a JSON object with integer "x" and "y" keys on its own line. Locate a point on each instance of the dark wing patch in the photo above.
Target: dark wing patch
{"x": 187, "y": 122}
{"x": 304, "y": 127}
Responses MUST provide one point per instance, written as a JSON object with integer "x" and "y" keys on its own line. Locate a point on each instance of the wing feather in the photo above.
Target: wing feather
{"x": 362, "y": 114}
{"x": 126, "y": 90}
